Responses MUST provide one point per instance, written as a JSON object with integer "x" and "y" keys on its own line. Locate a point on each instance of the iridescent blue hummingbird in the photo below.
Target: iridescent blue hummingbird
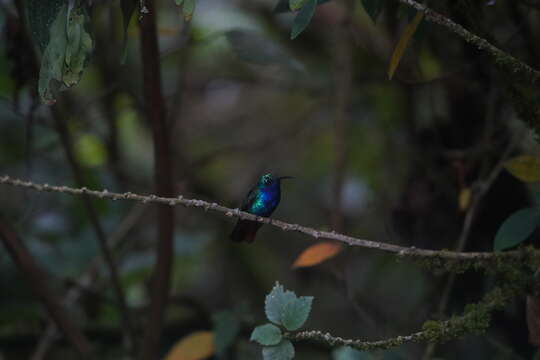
{"x": 262, "y": 200}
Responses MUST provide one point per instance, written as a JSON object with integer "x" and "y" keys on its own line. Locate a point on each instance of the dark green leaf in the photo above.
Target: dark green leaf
{"x": 517, "y": 228}
{"x": 296, "y": 312}
{"x": 226, "y": 328}
{"x": 128, "y": 8}
{"x": 41, "y": 15}
{"x": 374, "y": 8}
{"x": 283, "y": 351}
{"x": 285, "y": 308}
{"x": 303, "y": 18}
{"x": 296, "y": 4}
{"x": 267, "y": 334}
{"x": 187, "y": 9}
{"x": 348, "y": 353}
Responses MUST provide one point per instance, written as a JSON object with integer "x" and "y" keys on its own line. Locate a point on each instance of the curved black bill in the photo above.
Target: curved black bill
{"x": 285, "y": 177}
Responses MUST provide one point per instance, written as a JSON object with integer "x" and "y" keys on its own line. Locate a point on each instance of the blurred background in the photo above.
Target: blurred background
{"x": 391, "y": 161}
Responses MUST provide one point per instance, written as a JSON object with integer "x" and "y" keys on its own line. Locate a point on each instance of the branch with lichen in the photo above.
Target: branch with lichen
{"x": 433, "y": 258}
{"x": 503, "y": 59}
{"x": 475, "y": 319}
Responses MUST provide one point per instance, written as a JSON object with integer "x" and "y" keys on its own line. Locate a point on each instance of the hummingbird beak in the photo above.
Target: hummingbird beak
{"x": 285, "y": 177}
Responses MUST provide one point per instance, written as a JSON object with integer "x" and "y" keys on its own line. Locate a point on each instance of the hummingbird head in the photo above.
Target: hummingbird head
{"x": 268, "y": 179}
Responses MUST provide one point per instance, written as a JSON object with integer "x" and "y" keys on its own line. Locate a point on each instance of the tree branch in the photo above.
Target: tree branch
{"x": 475, "y": 319}
{"x": 402, "y": 251}
{"x": 503, "y": 59}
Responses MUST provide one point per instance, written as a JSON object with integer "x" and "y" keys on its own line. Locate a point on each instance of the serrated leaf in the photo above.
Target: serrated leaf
{"x": 226, "y": 328}
{"x": 196, "y": 346}
{"x": 403, "y": 43}
{"x": 128, "y": 8}
{"x": 517, "y": 228}
{"x": 275, "y": 302}
{"x": 303, "y": 18}
{"x": 316, "y": 254}
{"x": 373, "y": 8}
{"x": 525, "y": 167}
{"x": 296, "y": 313}
{"x": 296, "y": 4}
{"x": 267, "y": 334}
{"x": 282, "y": 351}
{"x": 285, "y": 308}
{"x": 187, "y": 9}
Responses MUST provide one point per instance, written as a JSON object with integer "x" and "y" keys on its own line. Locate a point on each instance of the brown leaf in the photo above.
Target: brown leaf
{"x": 195, "y": 346}
{"x": 316, "y": 254}
{"x": 533, "y": 319}
{"x": 525, "y": 167}
{"x": 403, "y": 42}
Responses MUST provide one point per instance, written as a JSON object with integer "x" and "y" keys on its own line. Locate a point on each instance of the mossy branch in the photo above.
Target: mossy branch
{"x": 503, "y": 59}
{"x": 475, "y": 319}
{"x": 437, "y": 259}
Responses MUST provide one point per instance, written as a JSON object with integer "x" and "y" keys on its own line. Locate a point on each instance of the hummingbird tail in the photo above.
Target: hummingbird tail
{"x": 245, "y": 231}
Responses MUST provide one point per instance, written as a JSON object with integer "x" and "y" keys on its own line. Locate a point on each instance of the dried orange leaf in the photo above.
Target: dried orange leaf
{"x": 316, "y": 254}
{"x": 195, "y": 346}
{"x": 403, "y": 42}
{"x": 464, "y": 198}
{"x": 525, "y": 167}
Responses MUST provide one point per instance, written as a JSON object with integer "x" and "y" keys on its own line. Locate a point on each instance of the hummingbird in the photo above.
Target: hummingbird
{"x": 262, "y": 200}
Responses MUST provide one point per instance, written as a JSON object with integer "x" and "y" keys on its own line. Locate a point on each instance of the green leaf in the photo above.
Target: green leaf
{"x": 296, "y": 313}
{"x": 79, "y": 46}
{"x": 285, "y": 308}
{"x": 403, "y": 43}
{"x": 525, "y": 167}
{"x": 226, "y": 328}
{"x": 296, "y": 4}
{"x": 52, "y": 62}
{"x": 267, "y": 334}
{"x": 128, "y": 8}
{"x": 348, "y": 353}
{"x": 41, "y": 15}
{"x": 283, "y": 351}
{"x": 179, "y": 2}
{"x": 517, "y": 228}
{"x": 303, "y": 18}
{"x": 373, "y": 8}
{"x": 187, "y": 9}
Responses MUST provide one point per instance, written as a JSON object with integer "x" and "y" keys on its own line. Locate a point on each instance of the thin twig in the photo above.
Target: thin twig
{"x": 401, "y": 251}
{"x": 502, "y": 58}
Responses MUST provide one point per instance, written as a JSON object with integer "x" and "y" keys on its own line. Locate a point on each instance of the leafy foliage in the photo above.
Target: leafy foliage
{"x": 303, "y": 18}
{"x": 403, "y": 43}
{"x": 268, "y": 334}
{"x": 283, "y": 351}
{"x": 517, "y": 228}
{"x": 284, "y": 308}
{"x": 196, "y": 346}
{"x": 316, "y": 254}
{"x": 524, "y": 167}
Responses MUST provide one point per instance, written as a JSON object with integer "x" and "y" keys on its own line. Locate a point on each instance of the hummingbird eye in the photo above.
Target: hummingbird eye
{"x": 267, "y": 179}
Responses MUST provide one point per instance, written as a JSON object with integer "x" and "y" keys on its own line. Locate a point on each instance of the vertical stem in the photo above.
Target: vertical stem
{"x": 163, "y": 175}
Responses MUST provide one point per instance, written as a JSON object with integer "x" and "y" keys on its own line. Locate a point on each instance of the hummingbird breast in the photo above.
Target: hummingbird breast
{"x": 266, "y": 201}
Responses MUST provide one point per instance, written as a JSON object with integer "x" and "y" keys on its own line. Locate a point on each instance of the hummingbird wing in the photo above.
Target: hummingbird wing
{"x": 249, "y": 199}
{"x": 245, "y": 230}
